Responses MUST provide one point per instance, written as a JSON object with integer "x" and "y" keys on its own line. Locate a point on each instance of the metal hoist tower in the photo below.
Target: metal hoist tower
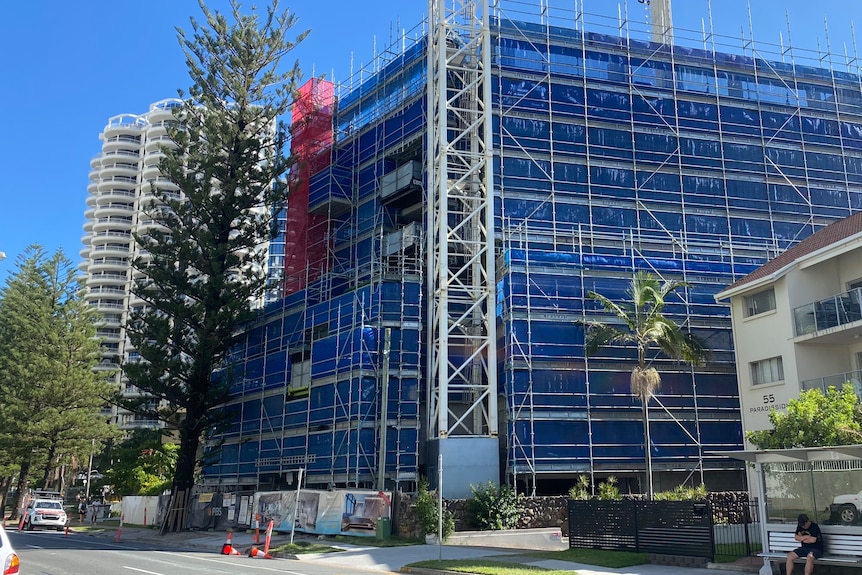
{"x": 462, "y": 370}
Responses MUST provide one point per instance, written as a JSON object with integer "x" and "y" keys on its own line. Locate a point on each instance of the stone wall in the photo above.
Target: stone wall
{"x": 535, "y": 512}
{"x": 728, "y": 507}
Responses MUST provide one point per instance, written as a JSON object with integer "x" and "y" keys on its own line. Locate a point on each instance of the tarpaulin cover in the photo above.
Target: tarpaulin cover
{"x": 207, "y": 511}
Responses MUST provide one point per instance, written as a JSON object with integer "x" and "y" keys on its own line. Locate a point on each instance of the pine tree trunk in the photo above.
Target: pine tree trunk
{"x": 49, "y": 464}
{"x": 23, "y": 480}
{"x": 5, "y": 484}
{"x": 184, "y": 477}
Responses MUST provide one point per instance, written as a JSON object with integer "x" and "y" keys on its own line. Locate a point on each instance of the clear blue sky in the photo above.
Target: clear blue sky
{"x": 66, "y": 67}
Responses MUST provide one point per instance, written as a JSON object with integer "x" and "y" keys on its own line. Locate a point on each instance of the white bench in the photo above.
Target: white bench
{"x": 838, "y": 549}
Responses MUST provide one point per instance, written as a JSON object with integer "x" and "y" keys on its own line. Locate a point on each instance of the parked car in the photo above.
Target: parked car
{"x": 8, "y": 558}
{"x": 43, "y": 512}
{"x": 845, "y": 508}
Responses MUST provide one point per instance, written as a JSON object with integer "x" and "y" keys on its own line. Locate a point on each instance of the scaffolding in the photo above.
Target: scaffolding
{"x": 482, "y": 176}
{"x": 619, "y": 154}
{"x": 308, "y": 390}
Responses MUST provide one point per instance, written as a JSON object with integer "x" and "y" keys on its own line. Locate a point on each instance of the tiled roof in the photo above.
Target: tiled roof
{"x": 831, "y": 234}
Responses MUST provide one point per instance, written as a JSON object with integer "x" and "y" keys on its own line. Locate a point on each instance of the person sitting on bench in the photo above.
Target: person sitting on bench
{"x": 808, "y": 534}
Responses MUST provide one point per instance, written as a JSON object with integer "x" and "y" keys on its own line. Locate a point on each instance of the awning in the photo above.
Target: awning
{"x": 837, "y": 453}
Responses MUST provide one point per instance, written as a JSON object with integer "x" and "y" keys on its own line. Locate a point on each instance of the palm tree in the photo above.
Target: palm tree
{"x": 639, "y": 321}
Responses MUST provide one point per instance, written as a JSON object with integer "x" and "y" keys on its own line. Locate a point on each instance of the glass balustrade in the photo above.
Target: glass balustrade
{"x": 827, "y": 313}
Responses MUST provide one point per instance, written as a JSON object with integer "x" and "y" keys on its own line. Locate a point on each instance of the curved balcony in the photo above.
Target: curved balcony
{"x": 107, "y": 209}
{"x": 157, "y": 130}
{"x": 103, "y": 238}
{"x": 108, "y": 264}
{"x": 150, "y": 172}
{"x": 124, "y": 124}
{"x": 110, "y": 294}
{"x": 147, "y": 225}
{"x": 121, "y": 142}
{"x": 112, "y": 223}
{"x": 117, "y": 194}
{"x": 110, "y": 249}
{"x": 107, "y": 278}
{"x": 108, "y": 335}
{"x": 131, "y": 155}
{"x": 89, "y": 213}
{"x": 164, "y": 184}
{"x": 152, "y": 159}
{"x": 154, "y": 143}
{"x": 110, "y": 182}
{"x": 115, "y": 168}
{"x": 109, "y": 320}
{"x": 106, "y": 366}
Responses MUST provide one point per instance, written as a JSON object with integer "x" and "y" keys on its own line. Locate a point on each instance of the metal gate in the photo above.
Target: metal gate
{"x": 665, "y": 527}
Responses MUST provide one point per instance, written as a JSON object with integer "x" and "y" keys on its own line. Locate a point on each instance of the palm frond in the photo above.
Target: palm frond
{"x": 598, "y": 335}
{"x": 620, "y": 311}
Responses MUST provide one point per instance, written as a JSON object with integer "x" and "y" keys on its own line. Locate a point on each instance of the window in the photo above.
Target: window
{"x": 760, "y": 302}
{"x": 767, "y": 371}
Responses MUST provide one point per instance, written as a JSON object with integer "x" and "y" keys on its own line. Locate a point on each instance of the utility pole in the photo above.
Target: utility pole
{"x": 384, "y": 409}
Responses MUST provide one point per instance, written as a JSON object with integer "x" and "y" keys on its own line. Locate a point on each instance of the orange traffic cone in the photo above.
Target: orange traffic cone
{"x": 228, "y": 548}
{"x": 258, "y": 554}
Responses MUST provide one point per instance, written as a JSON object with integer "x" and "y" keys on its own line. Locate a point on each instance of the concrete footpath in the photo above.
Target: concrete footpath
{"x": 394, "y": 559}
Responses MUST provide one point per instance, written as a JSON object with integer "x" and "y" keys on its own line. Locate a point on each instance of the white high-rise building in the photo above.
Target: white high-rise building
{"x": 121, "y": 178}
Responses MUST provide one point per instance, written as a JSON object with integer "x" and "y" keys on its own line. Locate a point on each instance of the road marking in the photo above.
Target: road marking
{"x": 34, "y": 547}
{"x": 222, "y": 561}
{"x": 142, "y": 570}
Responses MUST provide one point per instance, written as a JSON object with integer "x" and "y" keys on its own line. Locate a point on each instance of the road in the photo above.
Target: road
{"x": 52, "y": 553}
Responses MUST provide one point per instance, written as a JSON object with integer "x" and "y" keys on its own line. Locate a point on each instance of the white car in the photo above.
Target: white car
{"x": 45, "y": 513}
{"x": 846, "y": 508}
{"x": 8, "y": 558}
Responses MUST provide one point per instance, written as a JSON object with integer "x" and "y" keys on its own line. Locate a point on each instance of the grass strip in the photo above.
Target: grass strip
{"x": 300, "y": 547}
{"x": 599, "y": 557}
{"x": 375, "y": 542}
{"x": 486, "y": 567}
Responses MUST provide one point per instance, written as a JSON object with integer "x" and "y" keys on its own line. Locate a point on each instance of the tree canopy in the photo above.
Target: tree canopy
{"x": 52, "y": 398}
{"x": 142, "y": 464}
{"x": 204, "y": 262}
{"x": 813, "y": 420}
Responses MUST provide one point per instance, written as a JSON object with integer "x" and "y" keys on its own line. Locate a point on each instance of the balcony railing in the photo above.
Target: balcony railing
{"x": 837, "y": 381}
{"x": 831, "y": 312}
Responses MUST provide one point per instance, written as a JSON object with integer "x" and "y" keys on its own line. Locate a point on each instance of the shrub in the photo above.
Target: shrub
{"x": 494, "y": 508}
{"x": 682, "y": 493}
{"x": 608, "y": 489}
{"x": 581, "y": 489}
{"x": 426, "y": 511}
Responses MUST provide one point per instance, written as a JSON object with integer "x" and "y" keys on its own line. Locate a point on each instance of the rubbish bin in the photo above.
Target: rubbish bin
{"x": 384, "y": 528}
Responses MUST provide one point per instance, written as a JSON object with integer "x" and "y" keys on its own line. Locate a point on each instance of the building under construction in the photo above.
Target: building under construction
{"x": 454, "y": 203}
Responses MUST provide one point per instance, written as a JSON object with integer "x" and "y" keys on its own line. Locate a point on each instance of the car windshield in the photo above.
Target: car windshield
{"x": 48, "y": 505}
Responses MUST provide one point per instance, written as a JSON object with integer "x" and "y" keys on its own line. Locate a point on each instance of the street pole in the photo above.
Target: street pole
{"x": 89, "y": 469}
{"x": 440, "y": 506}
{"x": 296, "y": 504}
{"x": 384, "y": 409}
